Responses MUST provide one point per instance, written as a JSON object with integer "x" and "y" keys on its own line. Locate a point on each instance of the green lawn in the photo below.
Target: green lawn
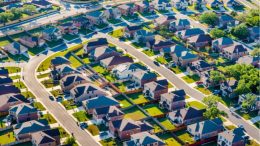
{"x": 4, "y": 41}
{"x": 118, "y": 33}
{"x": 13, "y": 69}
{"x": 153, "y": 110}
{"x": 108, "y": 142}
{"x": 99, "y": 69}
{"x": 63, "y": 133}
{"x": 169, "y": 140}
{"x": 81, "y": 116}
{"x": 134, "y": 113}
{"x": 230, "y": 127}
{"x": 68, "y": 104}
{"x": 203, "y": 90}
{"x": 156, "y": 127}
{"x": 191, "y": 78}
{"x": 6, "y": 137}
{"x": 49, "y": 118}
{"x": 70, "y": 37}
{"x": 93, "y": 129}
{"x": 166, "y": 123}
{"x": 185, "y": 137}
{"x": 178, "y": 70}
{"x": 49, "y": 83}
{"x": 56, "y": 92}
{"x": 138, "y": 98}
{"x": 248, "y": 115}
{"x": 39, "y": 106}
{"x": 124, "y": 103}
{"x": 19, "y": 85}
{"x": 197, "y": 105}
{"x": 162, "y": 60}
{"x": 149, "y": 52}
{"x": 15, "y": 77}
{"x": 43, "y": 75}
{"x": 28, "y": 94}
{"x": 74, "y": 62}
{"x": 138, "y": 45}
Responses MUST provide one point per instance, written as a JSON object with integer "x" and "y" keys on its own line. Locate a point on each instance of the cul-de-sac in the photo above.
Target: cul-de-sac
{"x": 129, "y": 73}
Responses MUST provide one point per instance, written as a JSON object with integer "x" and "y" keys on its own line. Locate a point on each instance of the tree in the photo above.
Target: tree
{"x": 29, "y": 9}
{"x": 70, "y": 141}
{"x": 249, "y": 101}
{"x": 5, "y": 16}
{"x": 17, "y": 12}
{"x": 211, "y": 100}
{"x": 217, "y": 33}
{"x": 213, "y": 112}
{"x": 256, "y": 52}
{"x": 209, "y": 18}
{"x": 217, "y": 76}
{"x": 240, "y": 31}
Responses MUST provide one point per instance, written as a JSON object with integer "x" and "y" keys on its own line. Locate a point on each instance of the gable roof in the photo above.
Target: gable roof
{"x": 207, "y": 126}
{"x": 157, "y": 85}
{"x": 81, "y": 89}
{"x": 144, "y": 138}
{"x": 70, "y": 79}
{"x": 6, "y": 89}
{"x": 187, "y": 113}
{"x": 59, "y": 61}
{"x": 125, "y": 67}
{"x": 178, "y": 95}
{"x": 46, "y": 136}
{"x": 199, "y": 64}
{"x": 234, "y": 135}
{"x": 97, "y": 42}
{"x": 110, "y": 111}
{"x": 200, "y": 38}
{"x": 103, "y": 101}
{"x": 99, "y": 51}
{"x": 223, "y": 41}
{"x": 186, "y": 55}
{"x": 10, "y": 98}
{"x": 31, "y": 127}
{"x": 115, "y": 60}
{"x": 226, "y": 17}
{"x": 5, "y": 80}
{"x": 144, "y": 75}
{"x": 236, "y": 48}
{"x": 22, "y": 108}
{"x": 191, "y": 32}
{"x": 182, "y": 22}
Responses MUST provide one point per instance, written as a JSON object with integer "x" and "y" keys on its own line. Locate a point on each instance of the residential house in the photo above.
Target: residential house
{"x": 173, "y": 100}
{"x": 111, "y": 62}
{"x": 61, "y": 71}
{"x": 130, "y": 30}
{"x": 142, "y": 77}
{"x": 254, "y": 33}
{"x": 234, "y": 52}
{"x": 199, "y": 4}
{"x": 143, "y": 36}
{"x": 200, "y": 40}
{"x": 7, "y": 89}
{"x": 51, "y": 34}
{"x": 32, "y": 42}
{"x": 184, "y": 34}
{"x": 3, "y": 54}
{"x": 81, "y": 22}
{"x": 4, "y": 72}
{"x": 179, "y": 24}
{"x": 96, "y": 17}
{"x": 253, "y": 60}
{"x": 6, "y": 81}
{"x": 235, "y": 137}
{"x": 85, "y": 91}
{"x": 112, "y": 13}
{"x": 94, "y": 44}
{"x": 163, "y": 20}
{"x": 215, "y": 3}
{"x": 103, "y": 101}
{"x": 144, "y": 7}
{"x": 255, "y": 106}
{"x": 144, "y": 139}
{"x": 124, "y": 71}
{"x": 182, "y": 57}
{"x": 41, "y": 4}
{"x": 127, "y": 9}
{"x": 26, "y": 129}
{"x": 15, "y": 48}
{"x": 124, "y": 128}
{"x": 180, "y": 4}
{"x": 70, "y": 81}
{"x": 226, "y": 21}
{"x": 205, "y": 129}
{"x": 221, "y": 43}
{"x": 103, "y": 52}
{"x": 106, "y": 114}
{"x": 198, "y": 67}
{"x": 173, "y": 49}
{"x": 233, "y": 3}
{"x": 50, "y": 137}
{"x": 227, "y": 88}
{"x": 59, "y": 61}
{"x": 23, "y": 112}
{"x": 155, "y": 89}
{"x": 186, "y": 116}
{"x": 9, "y": 100}
{"x": 68, "y": 28}
{"x": 162, "y": 5}
{"x": 158, "y": 44}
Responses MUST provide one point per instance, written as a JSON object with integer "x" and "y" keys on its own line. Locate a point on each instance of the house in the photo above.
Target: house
{"x": 111, "y": 62}
{"x": 112, "y": 13}
{"x": 163, "y": 20}
{"x": 103, "y": 52}
{"x": 85, "y": 91}
{"x": 51, "y": 34}
{"x": 68, "y": 28}
{"x": 155, "y": 89}
{"x": 94, "y": 44}
{"x": 50, "y": 137}
{"x": 198, "y": 67}
{"x": 186, "y": 116}
{"x": 143, "y": 36}
{"x": 3, "y": 54}
{"x": 9, "y": 100}
{"x": 23, "y": 112}
{"x": 96, "y": 17}
{"x": 124, "y": 71}
{"x": 103, "y": 101}
{"x": 127, "y": 9}
{"x": 81, "y": 22}
{"x": 180, "y": 4}
{"x": 184, "y": 34}
{"x": 26, "y": 129}
{"x": 142, "y": 77}
{"x": 233, "y": 3}
{"x": 227, "y": 88}
{"x": 6, "y": 81}
{"x": 162, "y": 5}
{"x": 106, "y": 114}
{"x": 198, "y": 4}
{"x": 183, "y": 57}
{"x": 144, "y": 139}
{"x": 59, "y": 61}
{"x": 179, "y": 24}
{"x": 253, "y": 60}
{"x": 235, "y": 137}
{"x": 15, "y": 48}
{"x": 254, "y": 33}
{"x": 130, "y": 30}
{"x": 200, "y": 40}
{"x": 255, "y": 106}
{"x": 226, "y": 21}
{"x": 173, "y": 100}
{"x": 215, "y": 3}
{"x": 221, "y": 43}
{"x": 205, "y": 79}
{"x": 234, "y": 52}
{"x": 205, "y": 129}
{"x": 41, "y": 4}
{"x": 158, "y": 44}
{"x": 70, "y": 81}
{"x": 7, "y": 89}
{"x": 124, "y": 128}
{"x": 61, "y": 71}
{"x": 4, "y": 72}
{"x": 32, "y": 42}
{"x": 144, "y": 7}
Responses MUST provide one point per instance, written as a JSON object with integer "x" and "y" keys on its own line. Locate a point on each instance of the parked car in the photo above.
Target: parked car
{"x": 156, "y": 63}
{"x": 51, "y": 98}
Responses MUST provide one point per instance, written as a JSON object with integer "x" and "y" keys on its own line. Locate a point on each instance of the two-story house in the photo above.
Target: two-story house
{"x": 162, "y": 5}
{"x": 155, "y": 89}
{"x": 143, "y": 36}
{"x": 23, "y": 112}
{"x": 61, "y": 71}
{"x": 124, "y": 71}
{"x": 219, "y": 44}
{"x": 32, "y": 42}
{"x": 179, "y": 24}
{"x": 107, "y": 114}
{"x": 234, "y": 52}
{"x": 235, "y": 137}
{"x": 200, "y": 40}
{"x": 51, "y": 34}
{"x": 113, "y": 61}
{"x": 103, "y": 52}
{"x": 15, "y": 48}
{"x": 142, "y": 77}
{"x": 91, "y": 45}
{"x": 227, "y": 88}
{"x": 68, "y": 28}
{"x": 144, "y": 7}
{"x": 9, "y": 100}
{"x": 70, "y": 81}
{"x": 130, "y": 30}
{"x": 184, "y": 34}
{"x": 173, "y": 100}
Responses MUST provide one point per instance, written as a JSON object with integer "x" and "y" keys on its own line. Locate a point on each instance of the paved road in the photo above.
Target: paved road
{"x": 53, "y": 107}
{"x": 180, "y": 84}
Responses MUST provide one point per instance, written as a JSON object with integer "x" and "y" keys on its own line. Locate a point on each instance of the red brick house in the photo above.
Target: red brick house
{"x": 155, "y": 89}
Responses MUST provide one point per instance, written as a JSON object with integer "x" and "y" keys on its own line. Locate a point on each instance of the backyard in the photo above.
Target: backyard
{"x": 124, "y": 103}
{"x": 6, "y": 137}
{"x": 134, "y": 113}
{"x": 153, "y": 110}
{"x": 185, "y": 137}
{"x": 169, "y": 140}
{"x": 166, "y": 123}
{"x": 138, "y": 98}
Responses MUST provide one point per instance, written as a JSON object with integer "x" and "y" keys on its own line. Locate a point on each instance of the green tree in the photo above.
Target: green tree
{"x": 29, "y": 9}
{"x": 249, "y": 101}
{"x": 211, "y": 100}
{"x": 5, "y": 16}
{"x": 217, "y": 33}
{"x": 71, "y": 141}
{"x": 213, "y": 112}
{"x": 209, "y": 18}
{"x": 217, "y": 76}
{"x": 256, "y": 52}
{"x": 240, "y": 31}
{"x": 17, "y": 12}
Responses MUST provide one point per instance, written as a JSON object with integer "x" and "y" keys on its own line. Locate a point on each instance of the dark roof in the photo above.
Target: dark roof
{"x": 144, "y": 75}
{"x": 207, "y": 126}
{"x": 125, "y": 124}
{"x": 200, "y": 64}
{"x": 6, "y": 89}
{"x": 237, "y": 48}
{"x": 134, "y": 27}
{"x": 187, "y": 113}
{"x": 41, "y": 2}
{"x": 102, "y": 101}
{"x": 233, "y": 136}
{"x": 3, "y": 72}
{"x": 161, "y": 43}
{"x": 5, "y": 81}
{"x": 200, "y": 38}
{"x": 223, "y": 41}
{"x": 115, "y": 60}
{"x": 70, "y": 79}
{"x": 59, "y": 60}
{"x": 191, "y": 32}
{"x": 98, "y": 42}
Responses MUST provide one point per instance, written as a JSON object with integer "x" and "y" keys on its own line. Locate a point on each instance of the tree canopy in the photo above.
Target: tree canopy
{"x": 217, "y": 76}
{"x": 212, "y": 110}
{"x": 217, "y": 33}
{"x": 209, "y": 18}
{"x": 249, "y": 101}
{"x": 240, "y": 31}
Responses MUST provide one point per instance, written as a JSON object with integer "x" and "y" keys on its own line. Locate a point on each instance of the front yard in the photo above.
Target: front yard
{"x": 81, "y": 116}
{"x": 191, "y": 78}
{"x": 149, "y": 52}
{"x": 178, "y": 70}
{"x": 68, "y": 104}
{"x": 6, "y": 137}
{"x": 118, "y": 33}
{"x": 49, "y": 118}
{"x": 203, "y": 90}
{"x": 197, "y": 105}
{"x": 247, "y": 116}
